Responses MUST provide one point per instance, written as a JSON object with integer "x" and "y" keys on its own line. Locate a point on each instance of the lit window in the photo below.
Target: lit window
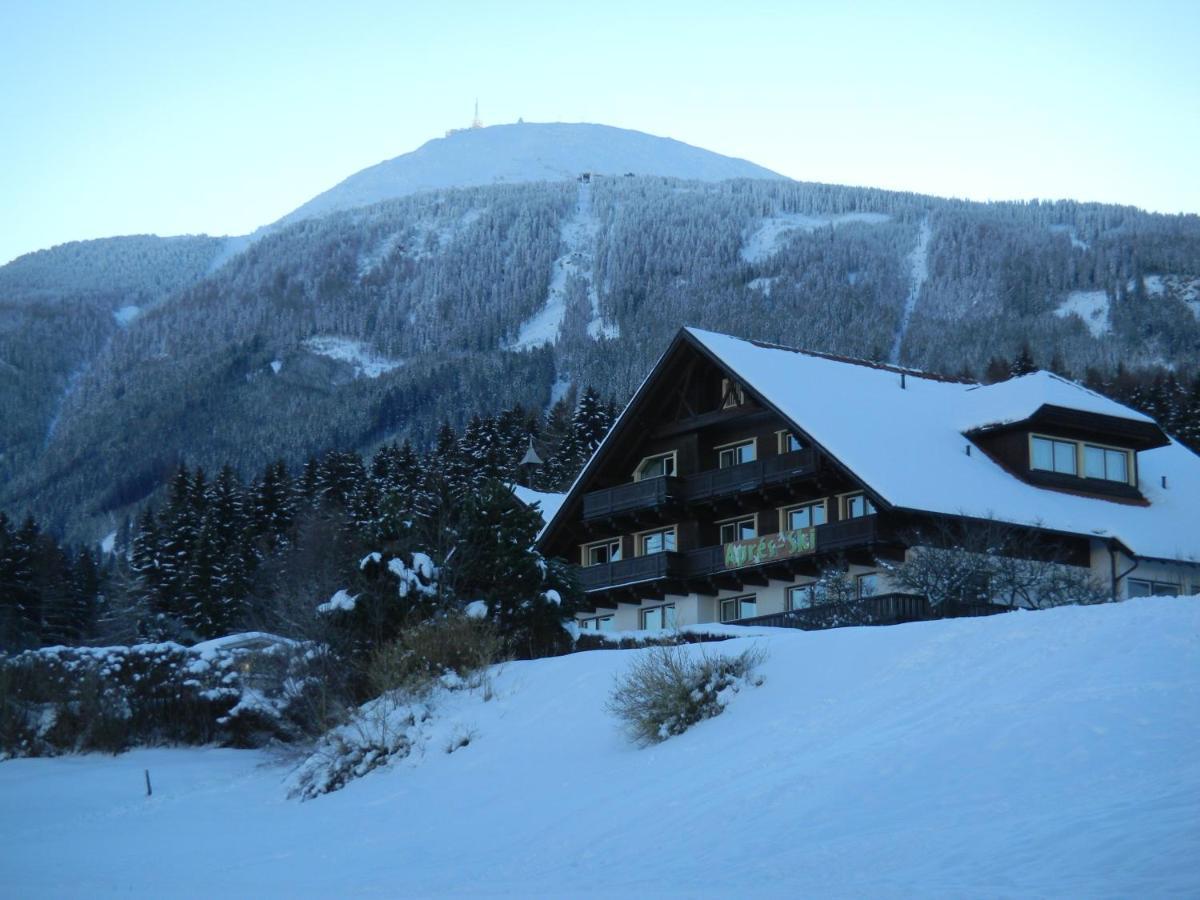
{"x": 657, "y": 541}
{"x": 655, "y": 467}
{"x": 855, "y": 506}
{"x": 658, "y": 617}
{"x": 788, "y": 442}
{"x": 1054, "y": 456}
{"x": 735, "y": 454}
{"x": 1106, "y": 463}
{"x": 603, "y": 552}
{"x": 739, "y": 608}
{"x": 741, "y": 530}
{"x": 806, "y": 516}
{"x": 731, "y": 394}
{"x": 1143, "y": 587}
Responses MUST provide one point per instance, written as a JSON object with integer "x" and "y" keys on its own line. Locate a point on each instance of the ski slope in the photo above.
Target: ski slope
{"x": 1029, "y": 754}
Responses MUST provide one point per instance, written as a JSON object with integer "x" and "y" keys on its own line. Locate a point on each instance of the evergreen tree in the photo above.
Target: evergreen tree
{"x": 528, "y": 597}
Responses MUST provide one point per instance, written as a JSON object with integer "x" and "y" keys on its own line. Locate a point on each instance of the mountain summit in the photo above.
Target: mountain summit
{"x": 506, "y": 154}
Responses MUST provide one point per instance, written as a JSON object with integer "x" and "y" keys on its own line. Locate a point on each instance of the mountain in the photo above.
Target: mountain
{"x": 512, "y": 154}
{"x": 378, "y": 322}
{"x": 1030, "y": 754}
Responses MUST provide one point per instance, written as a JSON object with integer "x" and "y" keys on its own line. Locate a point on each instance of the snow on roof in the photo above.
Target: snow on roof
{"x": 549, "y": 503}
{"x": 908, "y": 445}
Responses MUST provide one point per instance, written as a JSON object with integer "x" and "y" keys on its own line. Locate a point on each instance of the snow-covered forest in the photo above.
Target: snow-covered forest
{"x": 377, "y": 324}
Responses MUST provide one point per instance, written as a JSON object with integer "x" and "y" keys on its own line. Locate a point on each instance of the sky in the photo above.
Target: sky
{"x": 219, "y": 117}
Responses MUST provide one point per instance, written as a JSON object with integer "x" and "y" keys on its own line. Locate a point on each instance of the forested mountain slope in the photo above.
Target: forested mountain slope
{"x": 60, "y": 307}
{"x": 380, "y": 322}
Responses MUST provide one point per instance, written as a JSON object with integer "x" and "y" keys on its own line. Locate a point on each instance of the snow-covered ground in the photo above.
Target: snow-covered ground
{"x": 366, "y": 362}
{"x": 768, "y": 237}
{"x": 1091, "y": 307}
{"x": 1029, "y": 754}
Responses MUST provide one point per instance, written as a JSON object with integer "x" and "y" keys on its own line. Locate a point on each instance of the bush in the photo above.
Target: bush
{"x": 423, "y": 654}
{"x": 667, "y": 690}
{"x": 74, "y": 699}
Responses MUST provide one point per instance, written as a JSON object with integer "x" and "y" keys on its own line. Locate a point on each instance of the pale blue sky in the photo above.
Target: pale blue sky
{"x": 175, "y": 117}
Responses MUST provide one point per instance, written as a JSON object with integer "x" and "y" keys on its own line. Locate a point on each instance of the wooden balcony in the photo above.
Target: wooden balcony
{"x": 703, "y": 568}
{"x": 637, "y": 570}
{"x": 748, "y": 477}
{"x": 716, "y": 484}
{"x": 634, "y": 497}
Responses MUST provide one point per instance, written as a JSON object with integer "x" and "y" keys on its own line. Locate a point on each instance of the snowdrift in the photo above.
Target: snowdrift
{"x": 1048, "y": 753}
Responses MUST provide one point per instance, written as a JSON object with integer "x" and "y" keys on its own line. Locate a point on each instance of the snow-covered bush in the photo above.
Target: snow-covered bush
{"x": 65, "y": 699}
{"x": 668, "y": 689}
{"x": 380, "y": 731}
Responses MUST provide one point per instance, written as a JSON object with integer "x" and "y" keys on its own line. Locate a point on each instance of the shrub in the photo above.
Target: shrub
{"x": 667, "y": 690}
{"x": 71, "y": 699}
{"x": 423, "y": 654}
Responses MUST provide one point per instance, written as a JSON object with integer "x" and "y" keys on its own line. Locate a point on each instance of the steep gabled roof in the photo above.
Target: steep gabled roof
{"x": 905, "y": 439}
{"x": 908, "y": 444}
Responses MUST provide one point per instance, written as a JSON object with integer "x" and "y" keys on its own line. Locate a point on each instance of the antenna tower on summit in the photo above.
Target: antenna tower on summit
{"x": 475, "y": 123}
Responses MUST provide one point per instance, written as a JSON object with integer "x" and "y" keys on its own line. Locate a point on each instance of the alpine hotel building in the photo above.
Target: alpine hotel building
{"x": 739, "y": 471}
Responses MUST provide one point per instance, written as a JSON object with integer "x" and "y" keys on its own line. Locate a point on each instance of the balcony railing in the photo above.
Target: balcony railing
{"x": 881, "y": 609}
{"x": 632, "y": 571}
{"x": 625, "y": 498}
{"x": 751, "y": 476}
{"x": 704, "y": 562}
{"x": 703, "y": 486}
{"x": 847, "y": 533}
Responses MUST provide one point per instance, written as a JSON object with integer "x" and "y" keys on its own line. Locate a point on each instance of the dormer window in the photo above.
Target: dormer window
{"x": 1051, "y": 455}
{"x": 731, "y": 394}
{"x": 1106, "y": 463}
{"x": 1080, "y": 458}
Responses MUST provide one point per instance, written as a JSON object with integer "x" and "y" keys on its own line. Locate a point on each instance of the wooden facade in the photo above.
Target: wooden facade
{"x": 699, "y": 462}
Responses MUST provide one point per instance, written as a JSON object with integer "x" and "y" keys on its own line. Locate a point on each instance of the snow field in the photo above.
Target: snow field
{"x": 769, "y": 236}
{"x": 1048, "y": 753}
{"x": 1091, "y": 307}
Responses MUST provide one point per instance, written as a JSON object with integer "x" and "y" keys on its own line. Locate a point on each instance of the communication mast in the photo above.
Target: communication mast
{"x": 475, "y": 123}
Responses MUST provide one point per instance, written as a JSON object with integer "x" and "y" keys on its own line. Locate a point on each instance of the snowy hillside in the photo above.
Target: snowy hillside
{"x": 525, "y": 152}
{"x": 1045, "y": 754}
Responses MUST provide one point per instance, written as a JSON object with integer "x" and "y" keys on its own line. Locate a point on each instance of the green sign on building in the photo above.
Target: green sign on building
{"x": 770, "y": 547}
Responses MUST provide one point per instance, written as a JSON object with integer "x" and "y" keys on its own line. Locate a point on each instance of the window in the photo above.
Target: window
{"x": 739, "y": 530}
{"x": 1106, "y": 463}
{"x": 602, "y": 552}
{"x": 1050, "y": 455}
{"x": 1143, "y": 587}
{"x": 788, "y": 442}
{"x": 739, "y": 608}
{"x": 736, "y": 454}
{"x": 657, "y": 618}
{"x": 855, "y": 506}
{"x": 655, "y": 466}
{"x": 806, "y": 515}
{"x": 597, "y": 623}
{"x": 868, "y": 584}
{"x": 651, "y": 542}
{"x": 804, "y": 596}
{"x": 1067, "y": 457}
{"x": 731, "y": 394}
